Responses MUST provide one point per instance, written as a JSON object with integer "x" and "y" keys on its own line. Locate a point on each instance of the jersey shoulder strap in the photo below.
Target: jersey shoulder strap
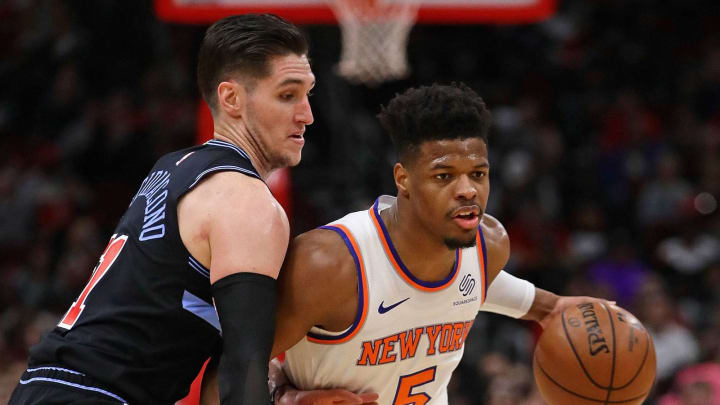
{"x": 191, "y": 165}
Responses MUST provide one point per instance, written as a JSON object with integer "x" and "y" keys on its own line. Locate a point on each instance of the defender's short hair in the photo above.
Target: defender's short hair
{"x": 436, "y": 112}
{"x": 242, "y": 45}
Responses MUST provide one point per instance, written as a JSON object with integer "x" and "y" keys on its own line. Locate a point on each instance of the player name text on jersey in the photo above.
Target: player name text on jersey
{"x": 154, "y": 189}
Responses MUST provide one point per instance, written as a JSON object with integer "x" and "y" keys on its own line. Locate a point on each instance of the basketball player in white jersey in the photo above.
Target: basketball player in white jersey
{"x": 381, "y": 301}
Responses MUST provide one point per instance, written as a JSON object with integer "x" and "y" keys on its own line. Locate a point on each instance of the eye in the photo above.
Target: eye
{"x": 479, "y": 174}
{"x": 287, "y": 96}
{"x": 442, "y": 176}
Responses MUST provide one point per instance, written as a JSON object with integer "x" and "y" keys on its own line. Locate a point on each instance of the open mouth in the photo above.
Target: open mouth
{"x": 467, "y": 217}
{"x": 297, "y": 138}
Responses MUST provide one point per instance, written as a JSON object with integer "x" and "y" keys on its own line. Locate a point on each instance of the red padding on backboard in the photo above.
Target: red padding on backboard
{"x": 205, "y": 126}
{"x": 170, "y": 10}
{"x": 173, "y": 11}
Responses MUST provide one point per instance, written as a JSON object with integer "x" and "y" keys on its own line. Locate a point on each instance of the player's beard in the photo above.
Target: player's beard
{"x": 453, "y": 243}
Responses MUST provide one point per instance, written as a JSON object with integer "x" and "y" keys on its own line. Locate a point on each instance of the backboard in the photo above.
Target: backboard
{"x": 318, "y": 11}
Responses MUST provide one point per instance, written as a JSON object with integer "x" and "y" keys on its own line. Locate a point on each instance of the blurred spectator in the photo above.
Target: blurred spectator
{"x": 675, "y": 344}
{"x": 588, "y": 240}
{"x": 695, "y": 385}
{"x": 511, "y": 386}
{"x": 661, "y": 200}
{"x": 17, "y": 203}
{"x": 622, "y": 272}
{"x": 32, "y": 284}
{"x": 690, "y": 251}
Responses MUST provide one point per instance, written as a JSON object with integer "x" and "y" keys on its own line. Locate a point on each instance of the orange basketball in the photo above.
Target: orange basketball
{"x": 594, "y": 354}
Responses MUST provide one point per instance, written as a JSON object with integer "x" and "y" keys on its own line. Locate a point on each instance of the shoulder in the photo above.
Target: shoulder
{"x": 321, "y": 254}
{"x": 237, "y": 185}
{"x": 497, "y": 244}
{"x": 238, "y": 222}
{"x": 233, "y": 195}
{"x": 318, "y": 273}
{"x": 493, "y": 229}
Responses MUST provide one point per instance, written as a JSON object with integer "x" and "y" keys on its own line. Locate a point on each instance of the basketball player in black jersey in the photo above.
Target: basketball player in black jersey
{"x": 202, "y": 227}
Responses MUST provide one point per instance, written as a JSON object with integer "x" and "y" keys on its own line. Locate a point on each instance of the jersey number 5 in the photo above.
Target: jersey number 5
{"x": 404, "y": 395}
{"x": 106, "y": 260}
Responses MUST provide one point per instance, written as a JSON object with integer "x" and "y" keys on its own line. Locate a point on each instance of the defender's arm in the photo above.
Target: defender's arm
{"x": 232, "y": 222}
{"x": 317, "y": 286}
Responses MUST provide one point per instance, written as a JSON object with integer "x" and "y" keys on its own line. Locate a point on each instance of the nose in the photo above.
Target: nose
{"x": 465, "y": 189}
{"x": 304, "y": 113}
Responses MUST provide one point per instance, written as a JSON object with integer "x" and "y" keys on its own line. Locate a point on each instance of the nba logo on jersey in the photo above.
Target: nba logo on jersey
{"x": 183, "y": 158}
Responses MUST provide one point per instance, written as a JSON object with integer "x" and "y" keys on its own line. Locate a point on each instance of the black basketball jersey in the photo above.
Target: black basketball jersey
{"x": 145, "y": 323}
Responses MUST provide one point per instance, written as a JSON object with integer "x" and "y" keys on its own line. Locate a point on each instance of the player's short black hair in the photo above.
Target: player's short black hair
{"x": 243, "y": 44}
{"x": 436, "y": 112}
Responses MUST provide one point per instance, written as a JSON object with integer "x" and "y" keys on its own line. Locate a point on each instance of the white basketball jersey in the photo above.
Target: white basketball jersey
{"x": 408, "y": 335}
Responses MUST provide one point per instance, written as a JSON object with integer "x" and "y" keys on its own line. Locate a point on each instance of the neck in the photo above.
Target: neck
{"x": 426, "y": 257}
{"x": 239, "y": 135}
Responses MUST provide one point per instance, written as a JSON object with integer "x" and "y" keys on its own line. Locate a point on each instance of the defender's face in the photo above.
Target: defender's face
{"x": 448, "y": 186}
{"x": 278, "y": 110}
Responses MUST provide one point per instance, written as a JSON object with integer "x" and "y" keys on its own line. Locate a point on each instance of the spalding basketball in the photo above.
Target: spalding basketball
{"x": 594, "y": 354}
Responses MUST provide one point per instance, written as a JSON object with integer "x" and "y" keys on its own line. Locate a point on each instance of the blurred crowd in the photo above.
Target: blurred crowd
{"x": 605, "y": 155}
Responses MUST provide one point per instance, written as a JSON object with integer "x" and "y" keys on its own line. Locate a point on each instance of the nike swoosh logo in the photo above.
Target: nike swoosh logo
{"x": 382, "y": 309}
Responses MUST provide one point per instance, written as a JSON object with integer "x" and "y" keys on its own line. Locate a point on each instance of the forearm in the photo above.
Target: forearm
{"x": 509, "y": 296}
{"x": 542, "y": 306}
{"x": 246, "y": 306}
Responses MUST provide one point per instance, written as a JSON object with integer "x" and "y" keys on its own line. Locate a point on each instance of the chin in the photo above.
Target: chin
{"x": 294, "y": 159}
{"x": 453, "y": 243}
{"x": 287, "y": 161}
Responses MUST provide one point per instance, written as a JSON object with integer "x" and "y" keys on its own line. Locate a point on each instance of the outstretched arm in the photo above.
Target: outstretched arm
{"x": 512, "y": 296}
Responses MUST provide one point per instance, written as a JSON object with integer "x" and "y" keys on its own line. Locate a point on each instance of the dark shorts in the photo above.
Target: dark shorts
{"x": 50, "y": 385}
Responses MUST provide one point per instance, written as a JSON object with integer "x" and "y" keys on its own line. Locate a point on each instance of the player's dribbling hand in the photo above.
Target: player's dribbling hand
{"x": 565, "y": 302}
{"x": 326, "y": 397}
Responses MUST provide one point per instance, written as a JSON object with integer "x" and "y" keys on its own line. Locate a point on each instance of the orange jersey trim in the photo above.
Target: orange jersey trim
{"x": 482, "y": 259}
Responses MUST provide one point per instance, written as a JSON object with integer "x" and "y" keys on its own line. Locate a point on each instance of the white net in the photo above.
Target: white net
{"x": 374, "y": 35}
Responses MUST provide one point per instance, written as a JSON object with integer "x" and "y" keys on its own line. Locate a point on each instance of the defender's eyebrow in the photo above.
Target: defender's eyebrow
{"x": 292, "y": 80}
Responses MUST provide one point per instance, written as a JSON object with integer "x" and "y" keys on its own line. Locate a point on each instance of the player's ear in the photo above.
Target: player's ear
{"x": 401, "y": 179}
{"x": 231, "y": 97}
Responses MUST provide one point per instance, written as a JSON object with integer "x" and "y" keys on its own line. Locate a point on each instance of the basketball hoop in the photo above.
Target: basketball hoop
{"x": 374, "y": 35}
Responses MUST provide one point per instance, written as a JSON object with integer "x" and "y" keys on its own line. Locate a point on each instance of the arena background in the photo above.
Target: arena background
{"x": 605, "y": 152}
